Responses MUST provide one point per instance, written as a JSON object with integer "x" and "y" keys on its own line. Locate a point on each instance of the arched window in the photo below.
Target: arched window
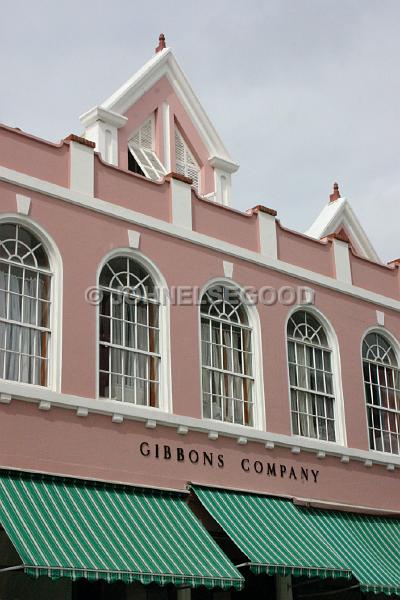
{"x": 25, "y": 296}
{"x": 227, "y": 371}
{"x": 311, "y": 378}
{"x": 382, "y": 393}
{"x": 129, "y": 333}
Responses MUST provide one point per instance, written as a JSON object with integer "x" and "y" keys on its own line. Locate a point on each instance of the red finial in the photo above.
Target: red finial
{"x": 336, "y": 193}
{"x": 161, "y": 43}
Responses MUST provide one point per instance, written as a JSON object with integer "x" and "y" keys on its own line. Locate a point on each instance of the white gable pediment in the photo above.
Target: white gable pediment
{"x": 164, "y": 64}
{"x": 338, "y": 216}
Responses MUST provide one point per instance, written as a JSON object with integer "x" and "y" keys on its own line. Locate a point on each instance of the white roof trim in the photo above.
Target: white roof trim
{"x": 98, "y": 113}
{"x": 338, "y": 214}
{"x": 164, "y": 64}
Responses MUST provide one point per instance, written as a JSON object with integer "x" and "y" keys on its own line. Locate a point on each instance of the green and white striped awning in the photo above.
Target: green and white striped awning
{"x": 280, "y": 537}
{"x": 369, "y": 545}
{"x": 67, "y": 528}
{"x": 274, "y": 535}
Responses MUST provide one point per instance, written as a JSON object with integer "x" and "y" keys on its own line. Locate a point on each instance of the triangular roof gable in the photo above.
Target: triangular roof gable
{"x": 164, "y": 64}
{"x": 338, "y": 216}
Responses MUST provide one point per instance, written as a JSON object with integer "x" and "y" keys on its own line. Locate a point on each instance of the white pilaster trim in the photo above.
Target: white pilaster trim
{"x": 125, "y": 214}
{"x": 228, "y": 269}
{"x": 81, "y": 168}
{"x": 181, "y": 203}
{"x": 342, "y": 261}
{"x": 101, "y": 127}
{"x": 23, "y": 204}
{"x": 267, "y": 232}
{"x": 166, "y": 126}
{"x": 133, "y": 239}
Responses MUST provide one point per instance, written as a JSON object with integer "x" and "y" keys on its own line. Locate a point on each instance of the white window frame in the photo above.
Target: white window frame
{"x": 395, "y": 345}
{"x": 257, "y": 359}
{"x": 333, "y": 345}
{"x": 165, "y": 397}
{"x": 146, "y": 157}
{"x": 56, "y": 300}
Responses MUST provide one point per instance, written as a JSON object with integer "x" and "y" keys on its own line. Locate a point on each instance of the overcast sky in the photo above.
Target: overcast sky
{"x": 303, "y": 92}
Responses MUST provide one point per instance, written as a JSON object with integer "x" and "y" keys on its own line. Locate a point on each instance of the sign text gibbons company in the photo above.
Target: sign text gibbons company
{"x": 214, "y": 460}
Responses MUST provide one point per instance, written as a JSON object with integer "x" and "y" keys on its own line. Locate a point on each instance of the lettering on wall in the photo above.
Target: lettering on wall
{"x": 211, "y": 459}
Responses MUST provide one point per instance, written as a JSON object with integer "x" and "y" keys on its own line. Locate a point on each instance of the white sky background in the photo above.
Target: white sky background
{"x": 303, "y": 92}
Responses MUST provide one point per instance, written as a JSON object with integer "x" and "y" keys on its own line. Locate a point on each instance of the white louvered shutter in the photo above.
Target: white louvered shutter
{"x": 144, "y": 135}
{"x": 186, "y": 164}
{"x": 141, "y": 147}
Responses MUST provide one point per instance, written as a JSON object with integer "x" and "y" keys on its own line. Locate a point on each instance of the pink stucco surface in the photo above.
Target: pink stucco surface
{"x": 377, "y": 278}
{"x": 33, "y": 156}
{"x": 59, "y": 442}
{"x": 84, "y": 237}
{"x": 305, "y": 252}
{"x": 225, "y": 224}
{"x": 95, "y": 447}
{"x": 130, "y": 190}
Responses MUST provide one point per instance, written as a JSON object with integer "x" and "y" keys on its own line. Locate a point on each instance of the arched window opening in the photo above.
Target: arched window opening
{"x": 129, "y": 334}
{"x": 311, "y": 378}
{"x": 25, "y": 302}
{"x": 382, "y": 393}
{"x": 227, "y": 365}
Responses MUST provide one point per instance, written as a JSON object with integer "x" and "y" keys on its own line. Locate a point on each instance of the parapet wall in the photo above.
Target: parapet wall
{"x": 79, "y": 168}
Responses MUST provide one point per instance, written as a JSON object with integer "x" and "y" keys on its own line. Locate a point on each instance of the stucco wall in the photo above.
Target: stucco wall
{"x": 61, "y": 442}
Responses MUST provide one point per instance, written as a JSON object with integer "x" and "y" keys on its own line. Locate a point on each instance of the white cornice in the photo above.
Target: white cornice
{"x": 164, "y": 64}
{"x": 98, "y": 113}
{"x": 338, "y": 214}
{"x": 224, "y": 165}
{"x": 131, "y": 216}
{"x": 119, "y": 411}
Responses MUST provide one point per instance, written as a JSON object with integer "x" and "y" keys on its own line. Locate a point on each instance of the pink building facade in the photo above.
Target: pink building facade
{"x": 156, "y": 338}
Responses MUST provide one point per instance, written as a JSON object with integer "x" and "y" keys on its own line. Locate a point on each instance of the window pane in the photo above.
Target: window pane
{"x": 295, "y": 423}
{"x": 117, "y": 332}
{"x": 291, "y": 352}
{"x": 206, "y": 406}
{"x": 116, "y": 360}
{"x": 43, "y": 318}
{"x": 238, "y": 412}
{"x": 104, "y": 358}
{"x": 116, "y": 387}
{"x": 105, "y": 328}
